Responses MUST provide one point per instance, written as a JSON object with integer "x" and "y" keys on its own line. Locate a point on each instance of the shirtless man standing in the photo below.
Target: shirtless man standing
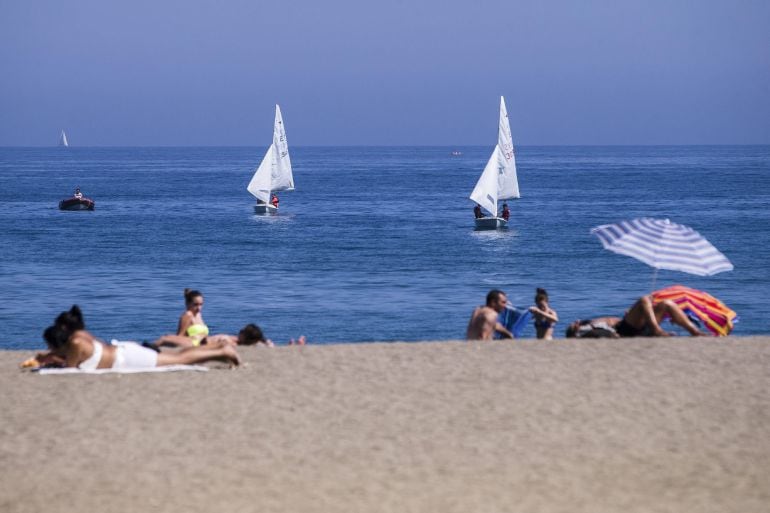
{"x": 484, "y": 323}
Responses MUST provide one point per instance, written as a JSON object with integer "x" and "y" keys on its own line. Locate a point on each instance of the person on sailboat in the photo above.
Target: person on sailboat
{"x": 485, "y": 319}
{"x": 506, "y": 213}
{"x": 477, "y": 211}
{"x": 274, "y": 200}
{"x": 78, "y": 194}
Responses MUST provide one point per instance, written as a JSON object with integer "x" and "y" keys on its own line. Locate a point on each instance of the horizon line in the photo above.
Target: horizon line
{"x": 594, "y": 145}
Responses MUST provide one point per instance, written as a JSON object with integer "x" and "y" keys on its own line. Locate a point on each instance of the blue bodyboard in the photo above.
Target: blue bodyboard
{"x": 514, "y": 320}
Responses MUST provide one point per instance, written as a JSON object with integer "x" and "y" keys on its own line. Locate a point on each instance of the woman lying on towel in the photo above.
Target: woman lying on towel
{"x": 69, "y": 341}
{"x": 250, "y": 335}
{"x": 641, "y": 320}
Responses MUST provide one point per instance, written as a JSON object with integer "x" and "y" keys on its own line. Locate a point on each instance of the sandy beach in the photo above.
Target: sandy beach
{"x": 642, "y": 425}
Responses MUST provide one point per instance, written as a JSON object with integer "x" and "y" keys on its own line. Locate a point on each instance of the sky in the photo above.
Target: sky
{"x": 401, "y": 72}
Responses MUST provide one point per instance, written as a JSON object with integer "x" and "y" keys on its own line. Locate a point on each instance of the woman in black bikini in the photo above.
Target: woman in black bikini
{"x": 545, "y": 316}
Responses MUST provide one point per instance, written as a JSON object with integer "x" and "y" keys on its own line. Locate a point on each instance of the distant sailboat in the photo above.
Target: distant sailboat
{"x": 498, "y": 180}
{"x": 63, "y": 139}
{"x": 274, "y": 172}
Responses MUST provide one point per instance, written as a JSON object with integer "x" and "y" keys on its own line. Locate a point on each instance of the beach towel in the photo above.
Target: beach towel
{"x": 514, "y": 320}
{"x": 164, "y": 368}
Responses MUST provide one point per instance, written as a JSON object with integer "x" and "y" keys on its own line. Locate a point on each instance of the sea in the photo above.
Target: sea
{"x": 375, "y": 243}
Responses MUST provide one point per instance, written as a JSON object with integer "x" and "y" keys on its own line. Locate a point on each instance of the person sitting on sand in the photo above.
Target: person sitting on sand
{"x": 68, "y": 339}
{"x": 484, "y": 319}
{"x": 251, "y": 334}
{"x": 545, "y": 316}
{"x": 191, "y": 321}
{"x": 641, "y": 320}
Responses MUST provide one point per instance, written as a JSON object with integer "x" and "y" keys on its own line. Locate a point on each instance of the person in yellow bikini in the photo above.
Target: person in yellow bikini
{"x": 191, "y": 323}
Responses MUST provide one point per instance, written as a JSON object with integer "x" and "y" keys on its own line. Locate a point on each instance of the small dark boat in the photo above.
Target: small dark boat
{"x": 75, "y": 203}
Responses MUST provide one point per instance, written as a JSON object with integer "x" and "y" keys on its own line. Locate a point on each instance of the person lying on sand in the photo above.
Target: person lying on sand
{"x": 641, "y": 320}
{"x": 251, "y": 334}
{"x": 72, "y": 346}
{"x": 484, "y": 319}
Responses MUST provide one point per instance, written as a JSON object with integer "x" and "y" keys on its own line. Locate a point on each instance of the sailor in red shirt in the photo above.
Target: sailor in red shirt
{"x": 505, "y": 213}
{"x": 274, "y": 201}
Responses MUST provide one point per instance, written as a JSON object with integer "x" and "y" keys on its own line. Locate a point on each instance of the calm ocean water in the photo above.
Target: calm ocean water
{"x": 375, "y": 243}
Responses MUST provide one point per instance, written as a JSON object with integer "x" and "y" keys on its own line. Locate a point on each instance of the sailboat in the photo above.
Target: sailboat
{"x": 274, "y": 172}
{"x": 63, "y": 139}
{"x": 498, "y": 180}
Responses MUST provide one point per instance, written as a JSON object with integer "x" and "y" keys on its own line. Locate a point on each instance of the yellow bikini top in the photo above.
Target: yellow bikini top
{"x": 198, "y": 332}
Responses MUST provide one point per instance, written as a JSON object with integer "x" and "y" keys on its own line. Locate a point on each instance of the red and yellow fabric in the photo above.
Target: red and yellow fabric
{"x": 714, "y": 315}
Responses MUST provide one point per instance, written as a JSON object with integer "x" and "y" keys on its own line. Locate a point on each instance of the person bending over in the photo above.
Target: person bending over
{"x": 484, "y": 319}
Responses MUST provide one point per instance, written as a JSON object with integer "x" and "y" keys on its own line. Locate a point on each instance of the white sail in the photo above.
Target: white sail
{"x": 485, "y": 192}
{"x": 274, "y": 172}
{"x": 63, "y": 139}
{"x": 282, "y": 178}
{"x": 259, "y": 186}
{"x": 498, "y": 181}
{"x": 508, "y": 186}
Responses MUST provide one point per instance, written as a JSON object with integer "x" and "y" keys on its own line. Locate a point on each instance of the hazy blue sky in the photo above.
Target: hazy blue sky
{"x": 356, "y": 72}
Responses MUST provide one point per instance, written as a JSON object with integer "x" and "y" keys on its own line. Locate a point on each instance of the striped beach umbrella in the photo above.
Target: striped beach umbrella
{"x": 663, "y": 245}
{"x": 710, "y": 311}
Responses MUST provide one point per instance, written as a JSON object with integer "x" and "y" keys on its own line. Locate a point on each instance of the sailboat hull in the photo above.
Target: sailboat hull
{"x": 491, "y": 223}
{"x": 76, "y": 204}
{"x": 265, "y": 210}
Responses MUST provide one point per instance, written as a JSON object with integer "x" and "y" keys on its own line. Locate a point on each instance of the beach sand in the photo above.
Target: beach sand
{"x": 642, "y": 425}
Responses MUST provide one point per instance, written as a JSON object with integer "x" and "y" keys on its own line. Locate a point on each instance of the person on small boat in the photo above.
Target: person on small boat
{"x": 545, "y": 317}
{"x": 274, "y": 200}
{"x": 78, "y": 194}
{"x": 478, "y": 214}
{"x": 191, "y": 322}
{"x": 68, "y": 340}
{"x": 641, "y": 320}
{"x": 484, "y": 319}
{"x": 251, "y": 334}
{"x": 506, "y": 213}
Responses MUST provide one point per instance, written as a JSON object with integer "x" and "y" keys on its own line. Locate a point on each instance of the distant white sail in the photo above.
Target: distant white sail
{"x": 498, "y": 181}
{"x": 63, "y": 139}
{"x": 274, "y": 172}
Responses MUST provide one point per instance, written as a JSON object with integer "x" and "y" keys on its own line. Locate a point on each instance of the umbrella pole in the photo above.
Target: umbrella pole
{"x": 654, "y": 278}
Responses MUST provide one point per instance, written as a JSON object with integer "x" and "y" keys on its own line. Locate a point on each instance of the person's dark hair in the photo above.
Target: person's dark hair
{"x": 571, "y": 331}
{"x": 540, "y": 294}
{"x": 190, "y": 295}
{"x": 250, "y": 334}
{"x": 494, "y": 295}
{"x": 64, "y": 326}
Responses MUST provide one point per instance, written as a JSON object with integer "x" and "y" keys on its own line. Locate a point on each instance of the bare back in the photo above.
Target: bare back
{"x": 482, "y": 324}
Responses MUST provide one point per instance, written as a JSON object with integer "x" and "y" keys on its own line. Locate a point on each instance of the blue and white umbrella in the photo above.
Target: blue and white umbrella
{"x": 663, "y": 245}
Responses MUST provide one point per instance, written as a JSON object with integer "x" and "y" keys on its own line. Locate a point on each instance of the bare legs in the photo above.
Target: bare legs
{"x": 678, "y": 317}
{"x": 643, "y": 313}
{"x": 200, "y": 354}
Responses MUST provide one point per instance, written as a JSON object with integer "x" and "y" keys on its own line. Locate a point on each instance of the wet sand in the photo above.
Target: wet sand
{"x": 642, "y": 425}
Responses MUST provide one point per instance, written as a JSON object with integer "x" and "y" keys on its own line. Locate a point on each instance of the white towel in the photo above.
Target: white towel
{"x": 164, "y": 368}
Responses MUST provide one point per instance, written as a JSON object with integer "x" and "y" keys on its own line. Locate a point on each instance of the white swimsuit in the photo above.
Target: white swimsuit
{"x": 92, "y": 362}
{"x": 128, "y": 355}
